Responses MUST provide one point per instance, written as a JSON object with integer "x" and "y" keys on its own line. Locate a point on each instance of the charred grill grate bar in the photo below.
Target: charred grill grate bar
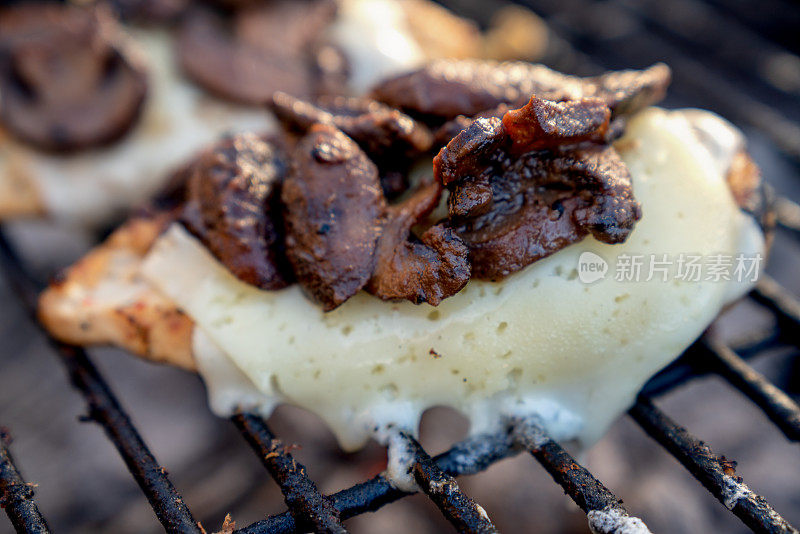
{"x": 16, "y": 496}
{"x": 104, "y": 409}
{"x": 588, "y": 493}
{"x": 465, "y": 458}
{"x": 772, "y": 296}
{"x": 462, "y": 512}
{"x": 776, "y": 404}
{"x": 309, "y": 509}
{"x": 716, "y": 473}
{"x": 788, "y": 215}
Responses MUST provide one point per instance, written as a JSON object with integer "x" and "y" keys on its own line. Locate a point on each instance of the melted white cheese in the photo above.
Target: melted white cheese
{"x": 539, "y": 343}
{"x": 88, "y": 188}
{"x": 375, "y": 38}
{"x": 614, "y": 521}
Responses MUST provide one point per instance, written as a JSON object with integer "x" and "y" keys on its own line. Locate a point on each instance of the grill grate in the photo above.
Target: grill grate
{"x": 588, "y": 493}
{"x": 588, "y": 49}
{"x": 460, "y": 510}
{"x": 309, "y": 509}
{"x": 716, "y": 473}
{"x": 105, "y": 410}
{"x": 778, "y": 406}
{"x": 17, "y": 496}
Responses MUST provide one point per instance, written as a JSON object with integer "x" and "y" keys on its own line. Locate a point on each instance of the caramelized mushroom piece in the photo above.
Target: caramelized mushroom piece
{"x": 445, "y": 89}
{"x": 538, "y": 125}
{"x": 392, "y": 139}
{"x": 544, "y": 124}
{"x": 534, "y": 182}
{"x": 428, "y": 269}
{"x": 65, "y": 80}
{"x": 470, "y": 197}
{"x": 450, "y": 129}
{"x": 467, "y": 154}
{"x": 542, "y": 202}
{"x": 250, "y": 53}
{"x": 382, "y": 132}
{"x": 333, "y": 207}
{"x": 232, "y": 206}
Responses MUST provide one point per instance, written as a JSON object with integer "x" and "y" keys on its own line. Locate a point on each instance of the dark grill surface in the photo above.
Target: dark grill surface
{"x": 747, "y": 84}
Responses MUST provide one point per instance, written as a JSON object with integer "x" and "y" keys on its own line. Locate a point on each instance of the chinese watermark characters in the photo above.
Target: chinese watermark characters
{"x": 666, "y": 267}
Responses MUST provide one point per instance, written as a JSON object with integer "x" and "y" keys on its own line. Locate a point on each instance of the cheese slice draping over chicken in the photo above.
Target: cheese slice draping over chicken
{"x": 539, "y": 343}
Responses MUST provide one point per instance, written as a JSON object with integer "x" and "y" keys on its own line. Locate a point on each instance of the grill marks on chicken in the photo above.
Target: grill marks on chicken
{"x": 232, "y": 205}
{"x": 67, "y": 81}
{"x": 523, "y": 183}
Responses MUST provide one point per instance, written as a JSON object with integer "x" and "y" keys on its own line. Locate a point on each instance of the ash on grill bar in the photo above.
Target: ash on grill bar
{"x": 757, "y": 87}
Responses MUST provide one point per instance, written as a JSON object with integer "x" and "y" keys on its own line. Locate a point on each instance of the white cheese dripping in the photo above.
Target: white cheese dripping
{"x": 539, "y": 343}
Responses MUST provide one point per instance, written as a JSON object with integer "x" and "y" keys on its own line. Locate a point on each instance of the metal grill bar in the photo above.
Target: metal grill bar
{"x": 778, "y": 406}
{"x": 310, "y": 510}
{"x": 743, "y": 58}
{"x": 16, "y": 496}
{"x": 462, "y": 512}
{"x": 104, "y": 409}
{"x": 772, "y": 295}
{"x": 781, "y": 29}
{"x": 465, "y": 458}
{"x": 716, "y": 473}
{"x": 788, "y": 215}
{"x": 689, "y": 366}
{"x": 588, "y": 493}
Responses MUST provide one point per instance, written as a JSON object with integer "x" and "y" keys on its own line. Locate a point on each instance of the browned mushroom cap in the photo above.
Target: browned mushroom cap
{"x": 333, "y": 206}
{"x": 450, "y": 129}
{"x": 512, "y": 209}
{"x": 249, "y": 54}
{"x": 445, "y": 89}
{"x": 428, "y": 269}
{"x": 468, "y": 153}
{"x": 65, "y": 82}
{"x": 542, "y": 202}
{"x": 538, "y": 125}
{"x": 470, "y": 197}
{"x": 392, "y": 139}
{"x": 232, "y": 206}
{"x": 541, "y": 124}
{"x": 382, "y": 132}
